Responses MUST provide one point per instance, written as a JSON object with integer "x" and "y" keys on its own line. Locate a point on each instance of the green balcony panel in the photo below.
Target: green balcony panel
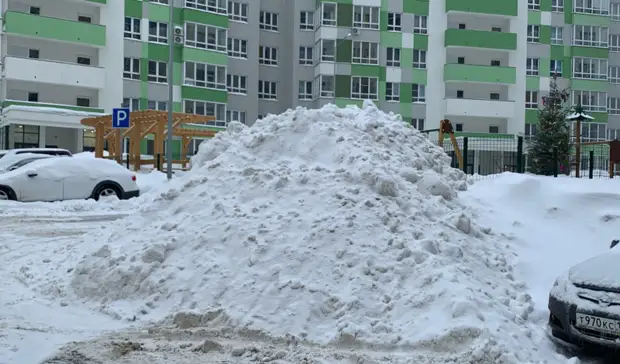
{"x": 499, "y": 7}
{"x": 52, "y": 28}
{"x": 480, "y": 39}
{"x": 99, "y": 1}
{"x": 456, "y": 72}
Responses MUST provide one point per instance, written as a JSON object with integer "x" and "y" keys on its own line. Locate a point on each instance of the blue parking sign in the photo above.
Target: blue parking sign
{"x": 120, "y": 117}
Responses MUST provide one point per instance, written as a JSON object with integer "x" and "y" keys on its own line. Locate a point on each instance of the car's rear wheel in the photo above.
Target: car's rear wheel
{"x": 107, "y": 191}
{"x": 6, "y": 194}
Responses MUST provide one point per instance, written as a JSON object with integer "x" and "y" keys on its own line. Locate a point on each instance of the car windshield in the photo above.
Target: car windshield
{"x": 22, "y": 163}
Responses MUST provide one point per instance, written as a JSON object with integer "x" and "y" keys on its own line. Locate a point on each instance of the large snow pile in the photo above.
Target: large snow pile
{"x": 337, "y": 225}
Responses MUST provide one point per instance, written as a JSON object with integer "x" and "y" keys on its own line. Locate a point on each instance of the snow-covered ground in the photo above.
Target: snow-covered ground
{"x": 329, "y": 236}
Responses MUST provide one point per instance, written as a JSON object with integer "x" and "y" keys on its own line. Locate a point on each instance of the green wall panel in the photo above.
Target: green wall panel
{"x": 345, "y": 15}
{"x": 202, "y": 17}
{"x": 133, "y": 8}
{"x": 406, "y": 93}
{"x": 417, "y": 7}
{"x": 531, "y": 116}
{"x": 589, "y": 52}
{"x": 344, "y": 51}
{"x": 349, "y": 102}
{"x": 532, "y": 83}
{"x": 586, "y": 19}
{"x": 533, "y": 17}
{"x": 406, "y": 58}
{"x": 53, "y": 28}
{"x": 475, "y": 73}
{"x": 600, "y": 117}
{"x": 343, "y": 86}
{"x": 545, "y": 34}
{"x": 589, "y": 85}
{"x": 391, "y": 39}
{"x": 196, "y": 93}
{"x": 503, "y": 7}
{"x": 480, "y": 39}
{"x": 419, "y": 76}
{"x": 368, "y": 71}
{"x": 545, "y": 5}
{"x": 98, "y": 1}
{"x": 204, "y": 56}
{"x": 420, "y": 41}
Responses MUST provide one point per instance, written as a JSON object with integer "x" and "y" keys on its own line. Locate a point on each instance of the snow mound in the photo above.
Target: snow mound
{"x": 336, "y": 225}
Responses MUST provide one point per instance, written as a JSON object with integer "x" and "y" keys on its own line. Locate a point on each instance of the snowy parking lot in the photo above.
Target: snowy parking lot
{"x": 315, "y": 237}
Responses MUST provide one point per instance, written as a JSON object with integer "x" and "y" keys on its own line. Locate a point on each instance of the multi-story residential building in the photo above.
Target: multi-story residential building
{"x": 484, "y": 65}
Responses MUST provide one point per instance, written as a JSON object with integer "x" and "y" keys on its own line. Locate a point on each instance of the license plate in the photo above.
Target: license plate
{"x": 598, "y": 324}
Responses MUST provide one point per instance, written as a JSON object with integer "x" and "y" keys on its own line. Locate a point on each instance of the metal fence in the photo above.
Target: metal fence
{"x": 485, "y": 157}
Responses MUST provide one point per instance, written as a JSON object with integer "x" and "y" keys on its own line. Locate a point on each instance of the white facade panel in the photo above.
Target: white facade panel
{"x": 480, "y": 108}
{"x": 56, "y": 73}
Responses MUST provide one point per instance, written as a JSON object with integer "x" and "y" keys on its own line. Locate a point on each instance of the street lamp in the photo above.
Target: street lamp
{"x": 171, "y": 42}
{"x": 579, "y": 116}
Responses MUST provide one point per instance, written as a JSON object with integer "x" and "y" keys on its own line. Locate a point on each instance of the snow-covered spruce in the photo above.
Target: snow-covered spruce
{"x": 330, "y": 224}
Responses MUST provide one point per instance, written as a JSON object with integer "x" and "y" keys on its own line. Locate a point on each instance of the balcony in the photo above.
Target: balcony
{"x": 480, "y": 108}
{"x": 55, "y": 73}
{"x": 480, "y": 39}
{"x": 498, "y": 7}
{"x": 456, "y": 72}
{"x": 63, "y": 30}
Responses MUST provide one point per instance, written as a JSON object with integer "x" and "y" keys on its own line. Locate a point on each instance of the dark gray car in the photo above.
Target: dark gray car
{"x": 584, "y": 303}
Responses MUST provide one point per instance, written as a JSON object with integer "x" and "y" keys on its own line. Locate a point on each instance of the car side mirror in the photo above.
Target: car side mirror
{"x": 613, "y": 244}
{"x": 31, "y": 174}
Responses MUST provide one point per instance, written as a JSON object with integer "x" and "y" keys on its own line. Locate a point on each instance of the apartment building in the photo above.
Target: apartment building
{"x": 484, "y": 65}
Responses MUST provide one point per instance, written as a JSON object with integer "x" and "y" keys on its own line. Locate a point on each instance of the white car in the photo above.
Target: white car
{"x": 13, "y": 161}
{"x": 46, "y": 151}
{"x": 56, "y": 179}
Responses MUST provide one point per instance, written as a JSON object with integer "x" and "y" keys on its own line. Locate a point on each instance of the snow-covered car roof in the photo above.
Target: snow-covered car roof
{"x": 601, "y": 272}
{"x": 67, "y": 167}
{"x": 10, "y": 159}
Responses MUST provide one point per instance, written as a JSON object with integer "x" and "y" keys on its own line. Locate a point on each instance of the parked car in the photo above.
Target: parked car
{"x": 13, "y": 161}
{"x": 2, "y": 153}
{"x": 584, "y": 303}
{"x": 56, "y": 179}
{"x": 47, "y": 151}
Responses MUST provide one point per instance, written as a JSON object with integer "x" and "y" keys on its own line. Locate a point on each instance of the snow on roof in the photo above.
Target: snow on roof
{"x": 53, "y": 110}
{"x": 326, "y": 224}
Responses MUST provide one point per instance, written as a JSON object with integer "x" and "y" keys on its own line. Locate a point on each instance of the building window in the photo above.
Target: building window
{"x": 364, "y": 88}
{"x": 82, "y": 102}
{"x": 327, "y": 50}
{"x": 324, "y": 86}
{"x": 33, "y": 53}
{"x": 268, "y": 21}
{"x": 158, "y": 32}
{"x": 393, "y": 57}
{"x": 132, "y": 104}
{"x": 306, "y": 20}
{"x": 458, "y": 127}
{"x": 533, "y": 33}
{"x": 531, "y": 99}
{"x": 557, "y": 35}
{"x": 206, "y": 37}
{"x": 614, "y": 42}
{"x": 597, "y": 7}
{"x": 158, "y": 72}
{"x": 557, "y": 5}
{"x": 211, "y": 6}
{"x": 493, "y": 96}
{"x": 161, "y": 2}
{"x": 614, "y": 74}
{"x": 267, "y": 90}
{"x": 365, "y": 53}
{"x": 237, "y": 48}
{"x": 131, "y": 68}
{"x": 306, "y": 57}
{"x": 85, "y": 19}
{"x": 592, "y": 101}
{"x": 460, "y": 94}
{"x": 26, "y": 136}
{"x": 533, "y": 4}
{"x": 267, "y": 56}
{"x": 205, "y": 75}
{"x": 328, "y": 14}
{"x": 496, "y": 63}
{"x": 205, "y": 108}
{"x": 238, "y": 11}
{"x": 590, "y": 68}
{"x": 395, "y": 22}
{"x": 35, "y": 10}
{"x": 493, "y": 129}
{"x": 392, "y": 91}
{"x": 235, "y": 115}
{"x": 33, "y": 96}
{"x": 419, "y": 58}
{"x": 418, "y": 123}
{"x": 237, "y": 84}
{"x": 555, "y": 67}
{"x": 532, "y": 66}
{"x": 132, "y": 28}
{"x": 590, "y": 35}
{"x": 366, "y": 17}
{"x": 530, "y": 130}
{"x": 418, "y": 93}
{"x": 613, "y": 106}
{"x": 590, "y": 132}
{"x": 157, "y": 105}
{"x": 88, "y": 140}
{"x": 613, "y": 134}
{"x": 615, "y": 11}
{"x": 305, "y": 90}
{"x": 420, "y": 24}
{"x": 83, "y": 60}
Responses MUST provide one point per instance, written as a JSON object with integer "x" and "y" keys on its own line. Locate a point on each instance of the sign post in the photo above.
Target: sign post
{"x": 120, "y": 118}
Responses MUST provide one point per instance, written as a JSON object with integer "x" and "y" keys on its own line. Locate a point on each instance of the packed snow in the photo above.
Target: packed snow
{"x": 315, "y": 236}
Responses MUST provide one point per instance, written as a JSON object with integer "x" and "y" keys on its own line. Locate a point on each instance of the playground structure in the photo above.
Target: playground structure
{"x": 613, "y": 149}
{"x": 445, "y": 127}
{"x": 144, "y": 123}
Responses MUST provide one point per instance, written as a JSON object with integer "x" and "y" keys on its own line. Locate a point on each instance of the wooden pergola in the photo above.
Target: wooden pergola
{"x": 142, "y": 124}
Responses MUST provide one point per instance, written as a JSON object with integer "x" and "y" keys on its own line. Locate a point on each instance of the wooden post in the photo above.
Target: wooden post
{"x": 185, "y": 141}
{"x": 441, "y": 135}
{"x": 99, "y": 140}
{"x": 134, "y": 142}
{"x": 118, "y": 145}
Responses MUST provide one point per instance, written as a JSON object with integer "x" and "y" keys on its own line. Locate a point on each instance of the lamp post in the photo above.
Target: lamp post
{"x": 579, "y": 116}
{"x": 170, "y": 89}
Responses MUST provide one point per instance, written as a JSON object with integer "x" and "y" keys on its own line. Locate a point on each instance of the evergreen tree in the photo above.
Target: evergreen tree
{"x": 550, "y": 144}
